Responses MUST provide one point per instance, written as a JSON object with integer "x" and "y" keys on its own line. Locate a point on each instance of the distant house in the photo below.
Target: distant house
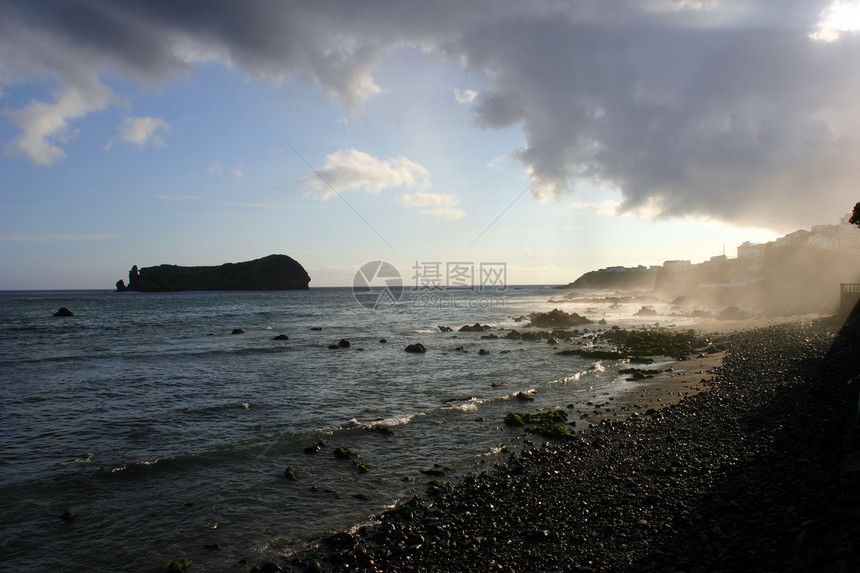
{"x": 677, "y": 266}
{"x": 849, "y": 235}
{"x": 796, "y": 238}
{"x": 843, "y": 236}
{"x": 750, "y": 252}
{"x": 824, "y": 240}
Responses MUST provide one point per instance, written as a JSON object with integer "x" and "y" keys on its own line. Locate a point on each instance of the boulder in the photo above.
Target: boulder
{"x": 477, "y": 327}
{"x": 63, "y": 312}
{"x": 646, "y": 311}
{"x": 281, "y": 337}
{"x": 416, "y": 348}
{"x": 556, "y": 318}
{"x": 344, "y": 453}
{"x": 344, "y": 343}
{"x": 238, "y": 331}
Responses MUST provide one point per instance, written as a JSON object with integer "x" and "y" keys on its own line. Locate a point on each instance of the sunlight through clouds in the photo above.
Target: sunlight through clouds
{"x": 840, "y": 17}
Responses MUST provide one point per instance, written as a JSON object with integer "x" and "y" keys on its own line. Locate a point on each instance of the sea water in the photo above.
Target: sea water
{"x": 168, "y": 436}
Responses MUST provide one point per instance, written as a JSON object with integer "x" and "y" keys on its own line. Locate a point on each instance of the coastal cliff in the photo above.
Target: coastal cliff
{"x": 274, "y": 272}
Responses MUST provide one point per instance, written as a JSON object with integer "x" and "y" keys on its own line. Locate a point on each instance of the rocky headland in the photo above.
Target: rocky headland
{"x": 274, "y": 272}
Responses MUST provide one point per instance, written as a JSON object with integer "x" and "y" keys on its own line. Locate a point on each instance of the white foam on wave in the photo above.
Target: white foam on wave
{"x": 514, "y": 395}
{"x": 394, "y": 421}
{"x": 82, "y": 460}
{"x": 470, "y": 405}
{"x": 575, "y": 378}
{"x": 134, "y": 466}
{"x": 384, "y": 423}
{"x": 494, "y": 451}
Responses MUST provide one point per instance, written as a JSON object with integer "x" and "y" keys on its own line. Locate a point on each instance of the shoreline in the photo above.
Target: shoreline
{"x": 686, "y": 378}
{"x": 751, "y": 474}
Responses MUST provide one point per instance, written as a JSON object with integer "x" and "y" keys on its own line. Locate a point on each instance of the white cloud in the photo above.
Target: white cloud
{"x": 140, "y": 131}
{"x": 498, "y": 161}
{"x": 442, "y": 206}
{"x": 44, "y": 125}
{"x": 444, "y": 213}
{"x": 350, "y": 169}
{"x": 840, "y": 17}
{"x": 606, "y": 207}
{"x": 465, "y": 96}
{"x": 239, "y": 171}
{"x": 423, "y": 199}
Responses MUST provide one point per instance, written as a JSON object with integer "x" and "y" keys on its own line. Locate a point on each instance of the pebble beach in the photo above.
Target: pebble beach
{"x": 745, "y": 462}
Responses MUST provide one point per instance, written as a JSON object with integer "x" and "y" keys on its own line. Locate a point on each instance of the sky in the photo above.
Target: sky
{"x": 553, "y": 137}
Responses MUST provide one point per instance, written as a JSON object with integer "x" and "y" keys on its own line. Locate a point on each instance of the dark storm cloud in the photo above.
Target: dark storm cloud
{"x": 726, "y": 109}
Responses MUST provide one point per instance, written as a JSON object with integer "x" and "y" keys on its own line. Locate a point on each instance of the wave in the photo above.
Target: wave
{"x": 132, "y": 468}
{"x": 470, "y": 405}
{"x": 86, "y": 458}
{"x": 494, "y": 451}
{"x": 380, "y": 423}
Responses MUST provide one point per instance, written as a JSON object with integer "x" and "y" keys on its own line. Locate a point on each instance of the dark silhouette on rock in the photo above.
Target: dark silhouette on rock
{"x": 134, "y": 279}
{"x": 275, "y": 272}
{"x": 63, "y": 311}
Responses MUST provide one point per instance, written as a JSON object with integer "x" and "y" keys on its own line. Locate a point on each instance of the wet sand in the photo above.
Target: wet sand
{"x": 687, "y": 378}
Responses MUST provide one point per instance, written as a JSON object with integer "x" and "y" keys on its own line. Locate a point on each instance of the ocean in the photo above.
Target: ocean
{"x": 169, "y": 437}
